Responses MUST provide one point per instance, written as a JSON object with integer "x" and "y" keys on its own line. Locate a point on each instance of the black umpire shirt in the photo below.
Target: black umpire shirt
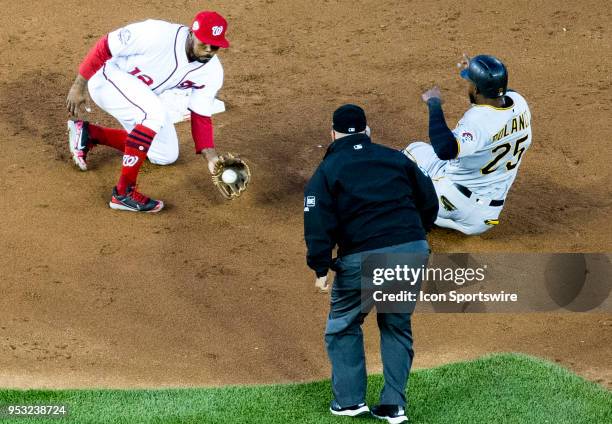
{"x": 364, "y": 196}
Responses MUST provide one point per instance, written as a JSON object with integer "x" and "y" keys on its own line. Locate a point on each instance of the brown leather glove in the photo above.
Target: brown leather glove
{"x": 235, "y": 189}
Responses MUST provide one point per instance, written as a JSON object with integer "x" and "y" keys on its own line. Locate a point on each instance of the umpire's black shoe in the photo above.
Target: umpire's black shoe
{"x": 349, "y": 411}
{"x": 394, "y": 414}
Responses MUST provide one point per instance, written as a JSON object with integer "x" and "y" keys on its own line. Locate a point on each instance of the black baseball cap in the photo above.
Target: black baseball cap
{"x": 349, "y": 119}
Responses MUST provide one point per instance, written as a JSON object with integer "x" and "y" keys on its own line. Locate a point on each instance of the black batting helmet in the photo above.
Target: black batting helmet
{"x": 489, "y": 75}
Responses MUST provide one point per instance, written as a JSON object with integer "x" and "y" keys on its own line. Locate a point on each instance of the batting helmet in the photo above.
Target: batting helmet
{"x": 488, "y": 74}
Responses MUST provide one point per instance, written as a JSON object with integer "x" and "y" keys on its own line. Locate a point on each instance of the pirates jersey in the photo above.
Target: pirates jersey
{"x": 492, "y": 142}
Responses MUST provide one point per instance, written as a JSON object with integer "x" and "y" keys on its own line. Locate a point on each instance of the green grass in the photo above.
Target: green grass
{"x": 506, "y": 388}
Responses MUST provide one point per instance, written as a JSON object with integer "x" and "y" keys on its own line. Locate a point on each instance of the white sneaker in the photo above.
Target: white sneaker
{"x": 349, "y": 411}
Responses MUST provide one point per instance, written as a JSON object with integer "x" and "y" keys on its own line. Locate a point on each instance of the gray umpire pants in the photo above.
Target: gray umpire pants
{"x": 344, "y": 337}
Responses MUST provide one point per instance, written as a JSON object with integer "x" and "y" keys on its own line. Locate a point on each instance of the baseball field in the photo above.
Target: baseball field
{"x": 211, "y": 293}
{"x": 496, "y": 389}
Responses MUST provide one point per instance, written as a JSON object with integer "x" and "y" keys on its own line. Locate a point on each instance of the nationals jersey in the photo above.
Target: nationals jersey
{"x": 154, "y": 52}
{"x": 492, "y": 142}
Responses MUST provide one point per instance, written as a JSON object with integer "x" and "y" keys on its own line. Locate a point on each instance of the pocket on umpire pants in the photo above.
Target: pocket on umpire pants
{"x": 346, "y": 289}
{"x": 349, "y": 267}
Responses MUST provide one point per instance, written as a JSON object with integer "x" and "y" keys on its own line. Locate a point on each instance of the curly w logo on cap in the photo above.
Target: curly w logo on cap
{"x": 209, "y": 27}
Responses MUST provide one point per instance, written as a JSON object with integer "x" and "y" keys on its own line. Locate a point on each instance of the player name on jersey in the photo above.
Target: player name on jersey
{"x": 518, "y": 123}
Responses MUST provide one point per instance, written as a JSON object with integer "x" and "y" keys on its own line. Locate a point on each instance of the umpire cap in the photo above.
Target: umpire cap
{"x": 349, "y": 119}
{"x": 489, "y": 75}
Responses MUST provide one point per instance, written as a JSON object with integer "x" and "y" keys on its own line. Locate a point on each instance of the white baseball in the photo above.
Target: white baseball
{"x": 229, "y": 176}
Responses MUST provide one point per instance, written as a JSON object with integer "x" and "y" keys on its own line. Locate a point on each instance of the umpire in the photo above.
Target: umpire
{"x": 364, "y": 198}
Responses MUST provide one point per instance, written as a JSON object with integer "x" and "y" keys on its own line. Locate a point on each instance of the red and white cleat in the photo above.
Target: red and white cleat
{"x": 77, "y": 141}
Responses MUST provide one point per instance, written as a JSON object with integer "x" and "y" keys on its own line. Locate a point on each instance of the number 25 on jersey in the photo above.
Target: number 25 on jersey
{"x": 502, "y": 150}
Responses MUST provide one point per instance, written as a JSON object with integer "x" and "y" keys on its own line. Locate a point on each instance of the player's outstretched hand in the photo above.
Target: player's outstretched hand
{"x": 211, "y": 157}
{"x": 432, "y": 93}
{"x": 76, "y": 96}
{"x": 464, "y": 63}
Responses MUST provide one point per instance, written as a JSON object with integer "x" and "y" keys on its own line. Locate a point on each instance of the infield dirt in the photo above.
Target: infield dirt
{"x": 212, "y": 293}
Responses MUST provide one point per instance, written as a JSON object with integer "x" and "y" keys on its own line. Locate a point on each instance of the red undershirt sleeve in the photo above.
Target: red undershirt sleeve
{"x": 202, "y": 132}
{"x": 96, "y": 58}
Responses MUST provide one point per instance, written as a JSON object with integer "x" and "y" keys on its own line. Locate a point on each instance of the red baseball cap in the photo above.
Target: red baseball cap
{"x": 209, "y": 27}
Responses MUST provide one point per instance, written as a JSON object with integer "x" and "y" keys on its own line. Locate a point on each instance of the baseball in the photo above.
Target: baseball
{"x": 229, "y": 176}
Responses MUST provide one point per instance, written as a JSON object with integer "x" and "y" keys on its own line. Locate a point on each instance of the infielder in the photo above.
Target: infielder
{"x": 474, "y": 165}
{"x": 125, "y": 72}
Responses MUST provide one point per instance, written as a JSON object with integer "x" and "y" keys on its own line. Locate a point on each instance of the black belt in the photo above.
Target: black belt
{"x": 468, "y": 193}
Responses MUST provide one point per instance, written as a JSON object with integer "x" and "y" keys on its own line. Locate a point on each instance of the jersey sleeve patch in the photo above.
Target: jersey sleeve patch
{"x": 136, "y": 38}
{"x": 466, "y": 137}
{"x": 124, "y": 36}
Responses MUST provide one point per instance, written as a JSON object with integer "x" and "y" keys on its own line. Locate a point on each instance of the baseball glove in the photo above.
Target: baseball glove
{"x": 235, "y": 189}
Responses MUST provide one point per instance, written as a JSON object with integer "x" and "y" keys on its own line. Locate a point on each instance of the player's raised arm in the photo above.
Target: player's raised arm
{"x": 441, "y": 137}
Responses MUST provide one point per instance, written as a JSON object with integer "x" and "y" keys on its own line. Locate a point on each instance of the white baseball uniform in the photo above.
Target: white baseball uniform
{"x": 491, "y": 142}
{"x": 148, "y": 59}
